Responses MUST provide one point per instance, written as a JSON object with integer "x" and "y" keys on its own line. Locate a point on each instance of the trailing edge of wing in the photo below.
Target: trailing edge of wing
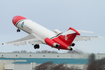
{"x": 30, "y": 38}
{"x": 85, "y": 38}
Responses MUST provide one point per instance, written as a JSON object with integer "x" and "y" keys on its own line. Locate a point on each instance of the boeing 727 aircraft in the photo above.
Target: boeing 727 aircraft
{"x": 41, "y": 35}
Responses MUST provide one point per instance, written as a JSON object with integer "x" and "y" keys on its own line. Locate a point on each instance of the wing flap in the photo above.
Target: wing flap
{"x": 35, "y": 42}
{"x": 20, "y": 43}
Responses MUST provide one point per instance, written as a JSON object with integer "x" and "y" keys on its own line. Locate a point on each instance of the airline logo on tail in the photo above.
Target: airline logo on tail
{"x": 66, "y": 38}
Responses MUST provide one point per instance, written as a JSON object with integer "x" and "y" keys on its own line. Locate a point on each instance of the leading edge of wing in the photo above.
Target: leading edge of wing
{"x": 85, "y": 38}
{"x": 22, "y": 41}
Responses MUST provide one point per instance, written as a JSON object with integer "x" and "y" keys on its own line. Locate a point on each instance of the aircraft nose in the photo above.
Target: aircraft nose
{"x": 16, "y": 19}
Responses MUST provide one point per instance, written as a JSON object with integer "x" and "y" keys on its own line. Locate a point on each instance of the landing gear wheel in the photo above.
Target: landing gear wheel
{"x": 18, "y": 30}
{"x": 36, "y": 46}
{"x": 58, "y": 49}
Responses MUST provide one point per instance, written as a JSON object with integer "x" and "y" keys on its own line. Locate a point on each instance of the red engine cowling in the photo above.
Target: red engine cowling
{"x": 51, "y": 43}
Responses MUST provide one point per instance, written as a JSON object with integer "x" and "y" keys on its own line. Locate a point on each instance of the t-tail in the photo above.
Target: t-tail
{"x": 66, "y": 38}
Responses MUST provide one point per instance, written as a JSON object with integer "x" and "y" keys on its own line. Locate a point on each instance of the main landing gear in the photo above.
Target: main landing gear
{"x": 36, "y": 46}
{"x": 18, "y": 30}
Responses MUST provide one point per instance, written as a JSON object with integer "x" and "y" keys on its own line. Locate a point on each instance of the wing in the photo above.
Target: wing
{"x": 30, "y": 38}
{"x": 85, "y": 38}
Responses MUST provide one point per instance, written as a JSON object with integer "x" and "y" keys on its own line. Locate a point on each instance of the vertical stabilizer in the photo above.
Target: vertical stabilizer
{"x": 68, "y": 36}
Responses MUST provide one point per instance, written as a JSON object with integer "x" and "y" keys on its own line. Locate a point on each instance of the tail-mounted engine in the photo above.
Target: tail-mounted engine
{"x": 57, "y": 31}
{"x": 73, "y": 44}
{"x": 51, "y": 43}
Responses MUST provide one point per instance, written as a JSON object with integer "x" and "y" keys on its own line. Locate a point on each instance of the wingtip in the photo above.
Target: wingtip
{"x": 2, "y": 43}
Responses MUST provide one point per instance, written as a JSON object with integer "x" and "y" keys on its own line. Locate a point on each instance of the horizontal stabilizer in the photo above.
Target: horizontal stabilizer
{"x": 85, "y": 31}
{"x": 85, "y": 38}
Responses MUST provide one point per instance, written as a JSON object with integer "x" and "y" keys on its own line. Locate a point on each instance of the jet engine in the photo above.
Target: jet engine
{"x": 51, "y": 43}
{"x": 73, "y": 44}
{"x": 57, "y": 31}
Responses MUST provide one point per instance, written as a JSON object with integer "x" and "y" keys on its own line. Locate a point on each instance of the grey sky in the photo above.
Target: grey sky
{"x": 86, "y": 15}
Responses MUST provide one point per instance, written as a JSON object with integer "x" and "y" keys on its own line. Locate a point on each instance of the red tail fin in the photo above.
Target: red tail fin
{"x": 68, "y": 36}
{"x": 68, "y": 39}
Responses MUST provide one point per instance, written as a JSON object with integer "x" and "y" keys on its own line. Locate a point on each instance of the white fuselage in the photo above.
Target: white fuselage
{"x": 41, "y": 35}
{"x": 37, "y": 30}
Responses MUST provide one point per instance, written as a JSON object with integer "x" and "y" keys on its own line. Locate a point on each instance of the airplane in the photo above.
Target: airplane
{"x": 41, "y": 35}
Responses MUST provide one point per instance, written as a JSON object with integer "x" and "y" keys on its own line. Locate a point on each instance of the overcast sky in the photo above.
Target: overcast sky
{"x": 86, "y": 15}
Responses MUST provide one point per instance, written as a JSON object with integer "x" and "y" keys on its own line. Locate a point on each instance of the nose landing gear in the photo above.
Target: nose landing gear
{"x": 18, "y": 30}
